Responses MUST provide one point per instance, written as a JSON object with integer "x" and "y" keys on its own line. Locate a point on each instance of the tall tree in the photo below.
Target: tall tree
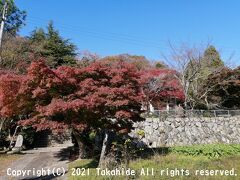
{"x": 186, "y": 61}
{"x": 212, "y": 58}
{"x": 50, "y": 45}
{"x": 194, "y": 65}
{"x": 223, "y": 89}
{"x": 38, "y": 35}
{"x": 209, "y": 63}
{"x": 15, "y": 17}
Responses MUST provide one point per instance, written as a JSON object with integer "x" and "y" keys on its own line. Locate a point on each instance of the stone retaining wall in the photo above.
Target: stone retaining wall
{"x": 155, "y": 132}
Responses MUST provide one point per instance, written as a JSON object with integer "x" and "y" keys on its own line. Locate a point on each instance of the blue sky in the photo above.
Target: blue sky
{"x": 140, "y": 27}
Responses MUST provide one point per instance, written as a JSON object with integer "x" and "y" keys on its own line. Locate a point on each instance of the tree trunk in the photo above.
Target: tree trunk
{"x": 81, "y": 145}
{"x": 14, "y": 134}
{"x": 104, "y": 147}
{"x": 1, "y": 123}
{"x": 206, "y": 102}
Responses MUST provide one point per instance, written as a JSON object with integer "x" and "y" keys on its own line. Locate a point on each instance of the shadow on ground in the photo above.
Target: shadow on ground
{"x": 65, "y": 154}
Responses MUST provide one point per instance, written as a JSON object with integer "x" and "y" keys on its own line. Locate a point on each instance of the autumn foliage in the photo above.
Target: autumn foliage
{"x": 101, "y": 95}
{"x": 161, "y": 85}
{"x": 97, "y": 96}
{"x": 10, "y": 84}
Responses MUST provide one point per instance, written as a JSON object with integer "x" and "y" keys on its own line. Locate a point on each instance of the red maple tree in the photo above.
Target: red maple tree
{"x": 100, "y": 96}
{"x": 161, "y": 85}
{"x": 10, "y": 85}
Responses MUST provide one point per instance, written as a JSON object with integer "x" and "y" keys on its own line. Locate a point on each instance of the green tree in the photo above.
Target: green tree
{"x": 212, "y": 57}
{"x": 223, "y": 89}
{"x": 50, "y": 45}
{"x": 160, "y": 65}
{"x": 209, "y": 63}
{"x": 14, "y": 51}
{"x": 15, "y": 17}
{"x": 38, "y": 35}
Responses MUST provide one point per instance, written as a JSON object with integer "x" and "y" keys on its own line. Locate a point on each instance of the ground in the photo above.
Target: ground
{"x": 6, "y": 161}
{"x": 50, "y": 158}
{"x": 165, "y": 162}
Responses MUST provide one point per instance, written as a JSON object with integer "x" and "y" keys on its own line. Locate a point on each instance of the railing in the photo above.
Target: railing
{"x": 195, "y": 113}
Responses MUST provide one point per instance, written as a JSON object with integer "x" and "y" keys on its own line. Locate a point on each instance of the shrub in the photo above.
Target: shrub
{"x": 210, "y": 151}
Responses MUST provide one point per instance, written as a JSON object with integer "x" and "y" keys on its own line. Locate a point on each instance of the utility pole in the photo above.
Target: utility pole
{"x": 4, "y": 12}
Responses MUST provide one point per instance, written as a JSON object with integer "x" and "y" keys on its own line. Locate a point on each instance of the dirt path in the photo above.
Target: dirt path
{"x": 51, "y": 162}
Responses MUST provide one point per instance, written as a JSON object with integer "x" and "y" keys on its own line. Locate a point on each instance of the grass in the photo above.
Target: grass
{"x": 5, "y": 162}
{"x": 164, "y": 163}
{"x": 192, "y": 163}
{"x": 208, "y": 150}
